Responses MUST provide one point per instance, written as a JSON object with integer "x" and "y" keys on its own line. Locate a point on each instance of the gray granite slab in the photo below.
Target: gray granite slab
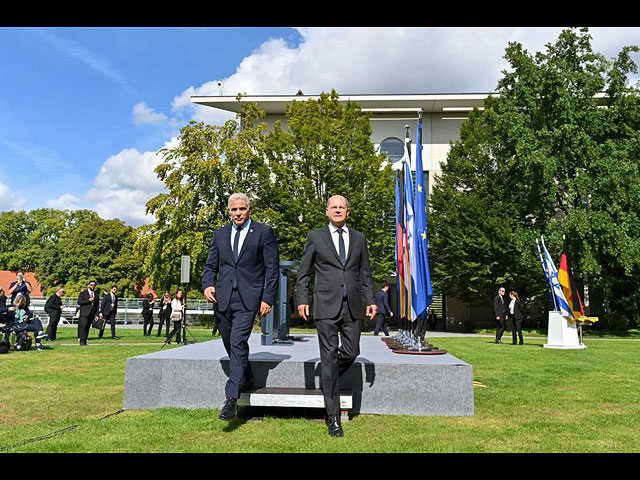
{"x": 382, "y": 382}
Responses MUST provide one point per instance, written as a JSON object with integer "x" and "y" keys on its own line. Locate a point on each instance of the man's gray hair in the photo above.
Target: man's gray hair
{"x": 239, "y": 196}
{"x": 346, "y": 202}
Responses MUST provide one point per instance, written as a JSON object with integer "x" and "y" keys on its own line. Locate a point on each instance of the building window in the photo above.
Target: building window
{"x": 393, "y": 148}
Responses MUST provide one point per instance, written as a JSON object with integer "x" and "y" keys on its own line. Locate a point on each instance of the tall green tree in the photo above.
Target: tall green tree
{"x": 326, "y": 150}
{"x": 25, "y": 236}
{"x": 200, "y": 173}
{"x": 555, "y": 153}
{"x": 288, "y": 172}
{"x": 97, "y": 249}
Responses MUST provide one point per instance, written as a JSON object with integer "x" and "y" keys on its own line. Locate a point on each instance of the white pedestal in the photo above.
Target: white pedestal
{"x": 562, "y": 333}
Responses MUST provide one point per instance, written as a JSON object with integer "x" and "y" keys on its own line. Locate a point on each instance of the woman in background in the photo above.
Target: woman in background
{"x": 23, "y": 319}
{"x": 515, "y": 314}
{"x": 176, "y": 315}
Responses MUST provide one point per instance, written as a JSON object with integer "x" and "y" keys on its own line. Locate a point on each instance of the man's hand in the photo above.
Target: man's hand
{"x": 303, "y": 310}
{"x": 265, "y": 308}
{"x": 371, "y": 311}
{"x": 210, "y": 293}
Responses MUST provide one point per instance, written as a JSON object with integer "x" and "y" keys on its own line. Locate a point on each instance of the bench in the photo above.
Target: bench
{"x": 293, "y": 398}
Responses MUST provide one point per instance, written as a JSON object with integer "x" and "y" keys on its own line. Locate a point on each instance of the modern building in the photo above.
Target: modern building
{"x": 442, "y": 116}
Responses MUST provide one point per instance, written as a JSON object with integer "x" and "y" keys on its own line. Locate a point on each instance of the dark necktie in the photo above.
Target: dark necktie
{"x": 343, "y": 258}
{"x": 341, "y": 250}
{"x": 236, "y": 243}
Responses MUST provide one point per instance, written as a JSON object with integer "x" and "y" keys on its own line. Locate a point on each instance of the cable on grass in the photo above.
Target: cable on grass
{"x": 51, "y": 435}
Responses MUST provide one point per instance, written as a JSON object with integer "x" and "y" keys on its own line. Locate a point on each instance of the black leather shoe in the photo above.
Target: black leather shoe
{"x": 335, "y": 428}
{"x": 229, "y": 410}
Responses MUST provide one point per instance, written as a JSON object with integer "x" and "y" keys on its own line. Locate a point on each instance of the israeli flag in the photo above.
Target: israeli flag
{"x": 561, "y": 302}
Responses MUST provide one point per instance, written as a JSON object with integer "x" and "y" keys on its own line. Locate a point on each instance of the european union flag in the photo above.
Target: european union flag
{"x": 424, "y": 290}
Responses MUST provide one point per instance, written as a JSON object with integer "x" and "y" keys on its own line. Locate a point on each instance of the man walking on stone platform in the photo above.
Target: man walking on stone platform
{"x": 241, "y": 278}
{"x": 337, "y": 257}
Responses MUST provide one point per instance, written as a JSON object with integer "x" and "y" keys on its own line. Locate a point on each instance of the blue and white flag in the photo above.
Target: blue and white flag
{"x": 561, "y": 302}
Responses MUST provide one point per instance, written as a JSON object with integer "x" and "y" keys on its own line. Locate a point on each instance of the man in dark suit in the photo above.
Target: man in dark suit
{"x": 53, "y": 307}
{"x": 88, "y": 305}
{"x": 244, "y": 258}
{"x": 382, "y": 302}
{"x": 500, "y": 312}
{"x": 338, "y": 256}
{"x": 108, "y": 311}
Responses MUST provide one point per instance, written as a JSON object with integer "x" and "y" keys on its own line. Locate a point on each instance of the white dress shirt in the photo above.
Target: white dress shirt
{"x": 243, "y": 234}
{"x": 335, "y": 236}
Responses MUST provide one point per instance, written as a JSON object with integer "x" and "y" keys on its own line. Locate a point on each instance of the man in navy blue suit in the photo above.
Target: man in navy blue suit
{"x": 241, "y": 278}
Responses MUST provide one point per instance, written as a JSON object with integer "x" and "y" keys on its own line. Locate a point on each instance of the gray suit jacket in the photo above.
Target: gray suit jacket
{"x": 320, "y": 258}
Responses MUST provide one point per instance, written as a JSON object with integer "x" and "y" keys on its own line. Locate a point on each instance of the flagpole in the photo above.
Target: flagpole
{"x": 407, "y": 322}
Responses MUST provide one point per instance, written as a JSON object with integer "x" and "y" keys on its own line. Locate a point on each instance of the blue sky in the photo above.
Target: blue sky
{"x": 83, "y": 111}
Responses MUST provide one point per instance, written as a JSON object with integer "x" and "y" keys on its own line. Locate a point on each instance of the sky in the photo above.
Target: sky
{"x": 84, "y": 111}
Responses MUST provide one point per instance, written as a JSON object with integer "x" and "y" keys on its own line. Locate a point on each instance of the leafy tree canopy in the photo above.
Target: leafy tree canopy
{"x": 555, "y": 153}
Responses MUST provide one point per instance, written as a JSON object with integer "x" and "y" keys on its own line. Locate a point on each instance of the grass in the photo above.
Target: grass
{"x": 528, "y": 399}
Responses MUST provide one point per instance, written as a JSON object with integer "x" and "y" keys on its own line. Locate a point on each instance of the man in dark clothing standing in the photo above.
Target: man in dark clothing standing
{"x": 382, "y": 301}
{"x": 88, "y": 304}
{"x": 500, "y": 312}
{"x": 108, "y": 311}
{"x": 54, "y": 307}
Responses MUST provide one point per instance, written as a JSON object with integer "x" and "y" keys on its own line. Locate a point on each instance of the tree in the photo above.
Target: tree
{"x": 24, "y": 236}
{"x": 200, "y": 173}
{"x": 97, "y": 249}
{"x": 326, "y": 150}
{"x": 551, "y": 155}
{"x": 288, "y": 173}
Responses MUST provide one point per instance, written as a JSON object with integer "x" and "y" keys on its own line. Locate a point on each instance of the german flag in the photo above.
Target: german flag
{"x": 565, "y": 278}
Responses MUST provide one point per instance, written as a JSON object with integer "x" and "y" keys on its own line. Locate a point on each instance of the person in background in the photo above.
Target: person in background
{"x": 54, "y": 307}
{"x": 165, "y": 313}
{"x": 88, "y": 305}
{"x": 20, "y": 287}
{"x": 176, "y": 315}
{"x": 147, "y": 314}
{"x": 23, "y": 319}
{"x": 5, "y": 310}
{"x": 382, "y": 302}
{"x": 515, "y": 314}
{"x": 500, "y": 313}
{"x": 108, "y": 311}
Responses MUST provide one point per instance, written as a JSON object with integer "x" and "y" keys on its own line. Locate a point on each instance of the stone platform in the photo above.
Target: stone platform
{"x": 381, "y": 382}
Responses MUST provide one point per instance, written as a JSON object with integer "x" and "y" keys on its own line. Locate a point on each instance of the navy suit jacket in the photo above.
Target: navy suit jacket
{"x": 256, "y": 270}
{"x": 382, "y": 301}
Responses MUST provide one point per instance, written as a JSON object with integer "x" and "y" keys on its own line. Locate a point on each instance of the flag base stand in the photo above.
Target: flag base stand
{"x": 426, "y": 349}
{"x": 562, "y": 334}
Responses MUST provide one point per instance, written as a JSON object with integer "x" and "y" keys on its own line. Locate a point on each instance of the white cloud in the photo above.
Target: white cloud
{"x": 143, "y": 114}
{"x": 349, "y": 60}
{"x": 388, "y": 60}
{"x": 66, "y": 201}
{"x": 10, "y": 200}
{"x": 125, "y": 183}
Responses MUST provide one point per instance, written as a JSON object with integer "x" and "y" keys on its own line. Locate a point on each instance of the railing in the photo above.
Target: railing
{"x": 129, "y": 309}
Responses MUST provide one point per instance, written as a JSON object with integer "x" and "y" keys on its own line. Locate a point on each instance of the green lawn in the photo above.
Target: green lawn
{"x": 527, "y": 399}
